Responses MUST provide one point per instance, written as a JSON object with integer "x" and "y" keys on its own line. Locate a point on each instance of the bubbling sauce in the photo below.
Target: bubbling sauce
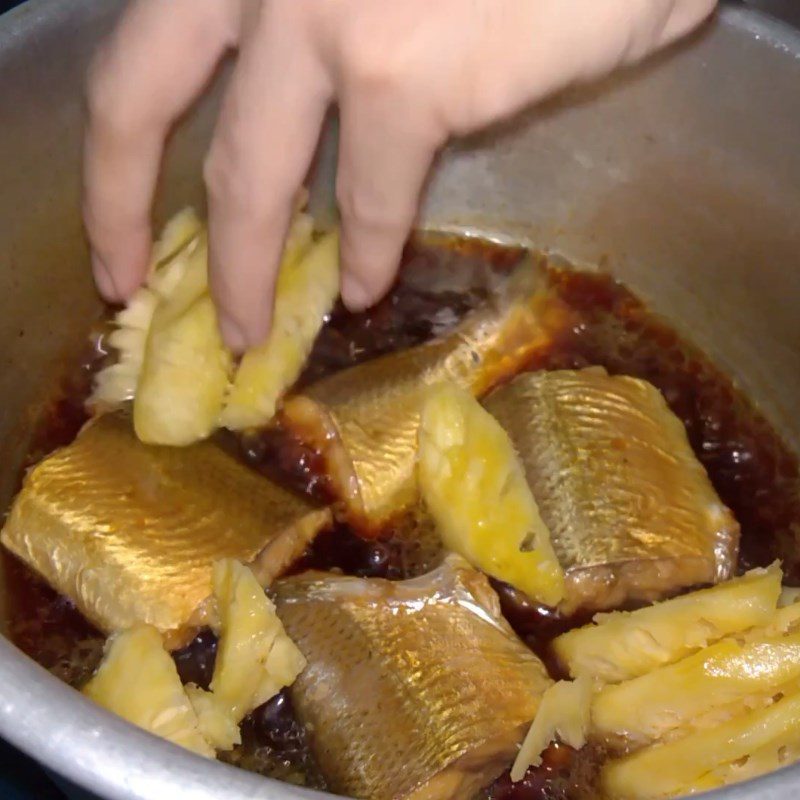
{"x": 442, "y": 279}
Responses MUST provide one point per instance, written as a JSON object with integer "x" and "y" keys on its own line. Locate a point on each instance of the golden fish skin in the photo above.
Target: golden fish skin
{"x": 631, "y": 511}
{"x": 413, "y": 689}
{"x": 365, "y": 419}
{"x": 130, "y": 532}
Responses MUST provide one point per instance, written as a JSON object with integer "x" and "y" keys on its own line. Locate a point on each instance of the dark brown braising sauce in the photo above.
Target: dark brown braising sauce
{"x": 442, "y": 279}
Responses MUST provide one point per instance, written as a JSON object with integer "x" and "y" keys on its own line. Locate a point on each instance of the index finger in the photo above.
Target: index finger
{"x": 155, "y": 63}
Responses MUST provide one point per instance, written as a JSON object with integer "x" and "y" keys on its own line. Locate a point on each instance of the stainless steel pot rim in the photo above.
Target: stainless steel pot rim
{"x": 105, "y": 755}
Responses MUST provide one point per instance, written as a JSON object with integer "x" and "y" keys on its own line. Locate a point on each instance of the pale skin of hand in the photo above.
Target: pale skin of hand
{"x": 406, "y": 75}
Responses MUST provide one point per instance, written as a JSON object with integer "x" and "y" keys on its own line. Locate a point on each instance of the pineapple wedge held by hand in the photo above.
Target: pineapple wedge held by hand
{"x": 186, "y": 367}
{"x": 139, "y": 682}
{"x": 172, "y": 362}
{"x": 117, "y": 383}
{"x": 307, "y": 288}
{"x": 474, "y": 487}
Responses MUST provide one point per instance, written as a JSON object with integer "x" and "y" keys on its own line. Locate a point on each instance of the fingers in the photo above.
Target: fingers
{"x": 157, "y": 61}
{"x": 685, "y": 17}
{"x": 264, "y": 142}
{"x": 385, "y": 153}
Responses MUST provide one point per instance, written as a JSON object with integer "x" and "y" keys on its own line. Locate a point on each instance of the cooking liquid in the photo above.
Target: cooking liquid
{"x": 442, "y": 279}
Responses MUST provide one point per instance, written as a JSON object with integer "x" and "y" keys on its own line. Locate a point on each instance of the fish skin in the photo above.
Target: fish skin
{"x": 631, "y": 511}
{"x": 365, "y": 419}
{"x": 129, "y": 532}
{"x": 413, "y": 689}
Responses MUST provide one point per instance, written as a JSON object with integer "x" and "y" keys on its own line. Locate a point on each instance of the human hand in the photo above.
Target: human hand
{"x": 406, "y": 74}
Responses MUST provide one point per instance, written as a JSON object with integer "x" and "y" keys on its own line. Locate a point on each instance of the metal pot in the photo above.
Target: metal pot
{"x": 682, "y": 177}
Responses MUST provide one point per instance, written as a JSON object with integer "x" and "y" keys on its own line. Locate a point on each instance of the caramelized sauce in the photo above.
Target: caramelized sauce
{"x": 442, "y": 279}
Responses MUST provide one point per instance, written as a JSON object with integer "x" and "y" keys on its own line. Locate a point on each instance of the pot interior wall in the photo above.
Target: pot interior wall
{"x": 682, "y": 177}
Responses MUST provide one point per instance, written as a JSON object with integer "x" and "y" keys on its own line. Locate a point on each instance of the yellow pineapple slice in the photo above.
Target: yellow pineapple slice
{"x": 307, "y": 288}
{"x": 475, "y": 488}
{"x": 708, "y": 758}
{"x": 184, "y": 376}
{"x": 138, "y": 680}
{"x": 564, "y": 712}
{"x": 786, "y": 618}
{"x": 172, "y": 362}
{"x": 761, "y": 762}
{"x": 117, "y": 383}
{"x": 624, "y": 645}
{"x": 717, "y": 683}
{"x": 255, "y": 657}
{"x": 214, "y": 721}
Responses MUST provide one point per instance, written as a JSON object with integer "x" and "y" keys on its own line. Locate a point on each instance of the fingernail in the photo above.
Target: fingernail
{"x": 355, "y": 295}
{"x": 233, "y": 334}
{"x": 104, "y": 280}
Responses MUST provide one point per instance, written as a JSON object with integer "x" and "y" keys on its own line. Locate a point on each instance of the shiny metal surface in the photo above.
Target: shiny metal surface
{"x": 683, "y": 177}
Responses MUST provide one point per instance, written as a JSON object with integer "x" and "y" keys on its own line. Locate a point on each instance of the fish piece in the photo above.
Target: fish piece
{"x": 720, "y": 682}
{"x": 138, "y": 681}
{"x": 364, "y": 420}
{"x": 413, "y": 689}
{"x": 631, "y": 512}
{"x": 475, "y": 489}
{"x": 129, "y": 532}
{"x": 624, "y": 645}
{"x": 708, "y": 758}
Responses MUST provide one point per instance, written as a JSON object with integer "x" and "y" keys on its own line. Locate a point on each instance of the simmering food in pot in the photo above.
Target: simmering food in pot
{"x": 438, "y": 497}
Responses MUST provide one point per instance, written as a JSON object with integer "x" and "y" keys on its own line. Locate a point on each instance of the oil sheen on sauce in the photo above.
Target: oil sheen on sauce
{"x": 443, "y": 278}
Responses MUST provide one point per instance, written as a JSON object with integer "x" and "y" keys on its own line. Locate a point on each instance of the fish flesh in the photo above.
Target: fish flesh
{"x": 130, "y": 532}
{"x": 632, "y": 513}
{"x": 413, "y": 689}
{"x": 364, "y": 420}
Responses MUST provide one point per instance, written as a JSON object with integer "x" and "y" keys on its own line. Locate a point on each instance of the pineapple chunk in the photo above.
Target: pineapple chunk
{"x": 117, "y": 383}
{"x": 624, "y": 645}
{"x": 760, "y": 762}
{"x": 184, "y": 377}
{"x": 172, "y": 362}
{"x": 717, "y": 683}
{"x": 307, "y": 288}
{"x": 138, "y": 680}
{"x": 708, "y": 758}
{"x": 786, "y": 619}
{"x": 565, "y": 712}
{"x": 475, "y": 489}
{"x": 215, "y": 723}
{"x": 255, "y": 658}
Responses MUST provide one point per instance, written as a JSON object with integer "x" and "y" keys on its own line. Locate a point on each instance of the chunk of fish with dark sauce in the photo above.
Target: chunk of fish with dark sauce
{"x": 365, "y": 419}
{"x": 130, "y": 532}
{"x": 631, "y": 511}
{"x": 413, "y": 689}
